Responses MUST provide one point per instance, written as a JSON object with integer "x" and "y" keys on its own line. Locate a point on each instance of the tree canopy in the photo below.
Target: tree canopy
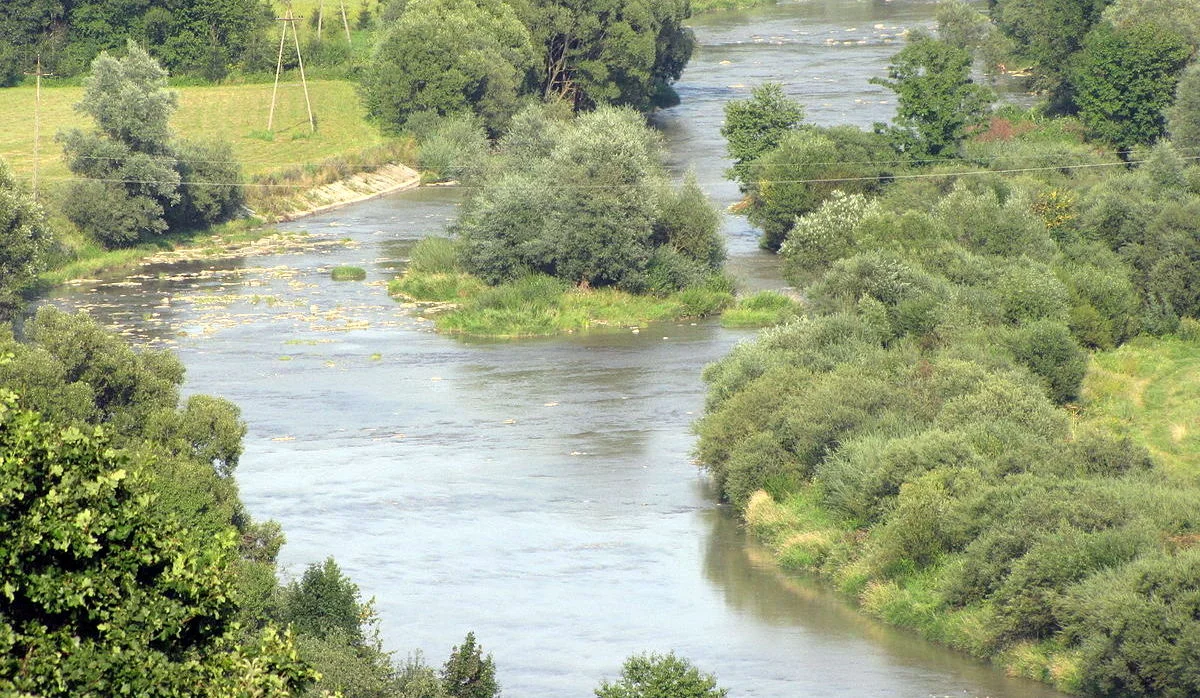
{"x": 24, "y": 241}
{"x": 938, "y": 101}
{"x": 101, "y": 593}
{"x": 132, "y": 171}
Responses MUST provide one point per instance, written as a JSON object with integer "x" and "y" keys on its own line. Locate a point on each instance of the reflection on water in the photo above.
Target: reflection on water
{"x": 539, "y": 492}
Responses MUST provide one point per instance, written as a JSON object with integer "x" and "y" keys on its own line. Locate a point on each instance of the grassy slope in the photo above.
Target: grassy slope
{"x": 237, "y": 114}
{"x": 1150, "y": 389}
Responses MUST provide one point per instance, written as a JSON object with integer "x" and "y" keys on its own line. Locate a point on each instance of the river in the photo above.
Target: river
{"x": 537, "y": 492}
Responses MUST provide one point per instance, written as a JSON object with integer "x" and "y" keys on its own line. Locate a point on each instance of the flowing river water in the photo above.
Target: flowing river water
{"x": 538, "y": 492}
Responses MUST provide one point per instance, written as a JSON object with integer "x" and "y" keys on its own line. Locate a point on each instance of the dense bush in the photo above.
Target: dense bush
{"x": 592, "y": 208}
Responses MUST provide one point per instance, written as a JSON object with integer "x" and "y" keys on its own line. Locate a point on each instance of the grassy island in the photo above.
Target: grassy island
{"x": 572, "y": 225}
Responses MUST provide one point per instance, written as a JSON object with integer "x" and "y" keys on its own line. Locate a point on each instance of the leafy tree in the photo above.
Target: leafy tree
{"x": 137, "y": 182}
{"x": 587, "y": 203}
{"x": 24, "y": 240}
{"x": 323, "y": 601}
{"x": 622, "y": 52}
{"x": 1183, "y": 117}
{"x": 938, "y": 102}
{"x": 468, "y": 674}
{"x": 1181, "y": 17}
{"x": 210, "y": 186}
{"x": 806, "y": 168}
{"x": 1050, "y": 32}
{"x": 449, "y": 57}
{"x": 101, "y": 593}
{"x": 654, "y": 675}
{"x": 1124, "y": 79}
{"x": 757, "y": 125}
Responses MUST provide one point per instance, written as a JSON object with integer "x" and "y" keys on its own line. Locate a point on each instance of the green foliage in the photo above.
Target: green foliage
{"x": 347, "y": 273}
{"x": 468, "y": 674}
{"x": 623, "y": 52}
{"x": 1048, "y": 349}
{"x": 323, "y": 602}
{"x": 210, "y": 185}
{"x": 24, "y": 242}
{"x": 653, "y": 675}
{"x": 455, "y": 149}
{"x": 1183, "y": 117}
{"x": 938, "y": 102}
{"x": 761, "y": 309}
{"x": 102, "y": 593}
{"x": 756, "y": 126}
{"x": 824, "y": 236}
{"x": 450, "y": 57}
{"x": 434, "y": 255}
{"x": 1124, "y": 79}
{"x": 1137, "y": 628}
{"x": 137, "y": 183}
{"x": 806, "y": 168}
{"x": 1049, "y": 32}
{"x": 592, "y": 208}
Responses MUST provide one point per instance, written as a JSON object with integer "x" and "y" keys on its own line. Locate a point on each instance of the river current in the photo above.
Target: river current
{"x": 539, "y": 492}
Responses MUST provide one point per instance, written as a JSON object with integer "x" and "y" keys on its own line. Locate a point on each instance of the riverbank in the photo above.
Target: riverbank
{"x": 249, "y": 236}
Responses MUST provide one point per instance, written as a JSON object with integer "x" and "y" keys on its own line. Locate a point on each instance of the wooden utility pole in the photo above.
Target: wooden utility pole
{"x": 321, "y": 19}
{"x": 37, "y": 123}
{"x": 289, "y": 20}
{"x": 345, "y": 23}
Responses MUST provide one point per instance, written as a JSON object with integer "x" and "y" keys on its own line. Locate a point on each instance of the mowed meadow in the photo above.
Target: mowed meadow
{"x": 237, "y": 114}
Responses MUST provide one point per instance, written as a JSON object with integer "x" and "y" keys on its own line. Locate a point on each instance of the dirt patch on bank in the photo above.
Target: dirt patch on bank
{"x": 353, "y": 189}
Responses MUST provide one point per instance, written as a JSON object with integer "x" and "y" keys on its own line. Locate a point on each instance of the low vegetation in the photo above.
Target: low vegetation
{"x": 348, "y": 273}
{"x": 762, "y": 309}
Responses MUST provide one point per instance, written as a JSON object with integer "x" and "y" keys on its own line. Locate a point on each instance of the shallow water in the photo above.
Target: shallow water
{"x": 538, "y": 492}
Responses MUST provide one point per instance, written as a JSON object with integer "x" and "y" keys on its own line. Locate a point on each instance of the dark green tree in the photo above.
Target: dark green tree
{"x": 24, "y": 240}
{"x": 623, "y": 52}
{"x": 102, "y": 594}
{"x": 1124, "y": 79}
{"x": 469, "y": 674}
{"x": 449, "y": 57}
{"x": 323, "y": 601}
{"x": 656, "y": 675}
{"x": 1050, "y": 32}
{"x": 1183, "y": 118}
{"x": 755, "y": 126}
{"x": 938, "y": 102}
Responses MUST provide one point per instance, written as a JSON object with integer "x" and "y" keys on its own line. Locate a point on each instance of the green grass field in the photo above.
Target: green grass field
{"x": 1150, "y": 390}
{"x": 237, "y": 114}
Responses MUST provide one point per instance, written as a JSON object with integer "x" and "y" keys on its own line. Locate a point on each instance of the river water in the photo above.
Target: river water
{"x": 537, "y": 492}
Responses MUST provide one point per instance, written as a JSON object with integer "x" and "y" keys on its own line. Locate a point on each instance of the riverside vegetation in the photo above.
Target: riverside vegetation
{"x": 929, "y": 436}
{"x": 572, "y": 224}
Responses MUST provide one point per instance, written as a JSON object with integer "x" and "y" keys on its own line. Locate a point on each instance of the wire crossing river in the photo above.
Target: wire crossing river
{"x": 539, "y": 492}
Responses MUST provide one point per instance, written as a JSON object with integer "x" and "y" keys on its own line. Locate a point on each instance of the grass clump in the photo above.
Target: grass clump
{"x": 762, "y": 309}
{"x": 348, "y": 274}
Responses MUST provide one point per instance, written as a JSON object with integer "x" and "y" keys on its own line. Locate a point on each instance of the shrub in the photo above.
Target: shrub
{"x": 661, "y": 676}
{"x": 1047, "y": 349}
{"x": 1136, "y": 627}
{"x": 455, "y": 149}
{"x": 762, "y": 309}
{"x": 825, "y": 235}
{"x": 1030, "y": 291}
